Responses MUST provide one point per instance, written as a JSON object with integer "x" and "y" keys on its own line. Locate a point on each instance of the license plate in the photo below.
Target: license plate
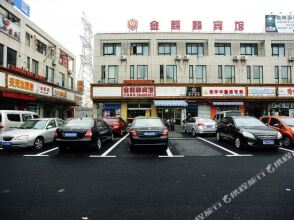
{"x": 209, "y": 126}
{"x": 268, "y": 142}
{"x": 6, "y": 143}
{"x": 149, "y": 133}
{"x": 70, "y": 134}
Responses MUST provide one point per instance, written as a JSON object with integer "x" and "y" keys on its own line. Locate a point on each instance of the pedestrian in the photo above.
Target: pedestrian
{"x": 172, "y": 125}
{"x": 168, "y": 122}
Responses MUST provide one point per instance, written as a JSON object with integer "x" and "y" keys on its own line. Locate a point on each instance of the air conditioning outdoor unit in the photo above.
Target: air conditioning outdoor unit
{"x": 186, "y": 57}
{"x": 69, "y": 72}
{"x": 178, "y": 57}
{"x": 54, "y": 63}
{"x": 291, "y": 58}
{"x": 236, "y": 58}
{"x": 243, "y": 58}
{"x": 123, "y": 57}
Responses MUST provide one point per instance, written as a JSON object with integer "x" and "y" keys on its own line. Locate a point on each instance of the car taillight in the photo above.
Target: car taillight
{"x": 88, "y": 133}
{"x": 1, "y": 126}
{"x": 200, "y": 124}
{"x": 133, "y": 132}
{"x": 165, "y": 132}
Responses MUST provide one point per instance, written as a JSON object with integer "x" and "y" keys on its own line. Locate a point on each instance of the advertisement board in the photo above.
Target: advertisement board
{"x": 279, "y": 23}
{"x": 2, "y": 79}
{"x": 10, "y": 28}
{"x": 80, "y": 86}
{"x": 223, "y": 91}
{"x": 262, "y": 91}
{"x": 43, "y": 89}
{"x": 106, "y": 92}
{"x": 193, "y": 91}
{"x": 21, "y": 84}
{"x": 59, "y": 93}
{"x": 286, "y": 91}
{"x": 138, "y": 91}
{"x": 23, "y": 6}
{"x": 170, "y": 91}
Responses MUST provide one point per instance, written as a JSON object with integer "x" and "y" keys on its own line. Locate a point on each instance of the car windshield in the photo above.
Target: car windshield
{"x": 110, "y": 119}
{"x": 80, "y": 122}
{"x": 148, "y": 122}
{"x": 248, "y": 122}
{"x": 288, "y": 121}
{"x": 34, "y": 124}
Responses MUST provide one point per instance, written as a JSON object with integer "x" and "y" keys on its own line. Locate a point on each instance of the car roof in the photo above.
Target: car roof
{"x": 236, "y": 116}
{"x": 17, "y": 111}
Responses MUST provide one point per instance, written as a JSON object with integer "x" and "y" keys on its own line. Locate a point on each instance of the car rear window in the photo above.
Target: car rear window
{"x": 148, "y": 122}
{"x": 233, "y": 114}
{"x": 111, "y": 119}
{"x": 13, "y": 117}
{"x": 80, "y": 122}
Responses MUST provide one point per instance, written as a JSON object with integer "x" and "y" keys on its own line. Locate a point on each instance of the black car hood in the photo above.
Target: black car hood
{"x": 259, "y": 130}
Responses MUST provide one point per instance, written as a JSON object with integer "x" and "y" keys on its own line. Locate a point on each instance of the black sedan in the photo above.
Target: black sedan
{"x": 248, "y": 131}
{"x": 81, "y": 132}
{"x": 146, "y": 131}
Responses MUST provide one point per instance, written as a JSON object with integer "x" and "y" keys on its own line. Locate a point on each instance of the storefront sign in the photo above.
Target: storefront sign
{"x": 21, "y": 84}
{"x": 27, "y": 73}
{"x": 13, "y": 95}
{"x": 138, "y": 91}
{"x": 70, "y": 96}
{"x": 2, "y": 79}
{"x": 59, "y": 93}
{"x": 262, "y": 91}
{"x": 223, "y": 91}
{"x": 170, "y": 91}
{"x": 80, "y": 86}
{"x": 228, "y": 103}
{"x": 283, "y": 105}
{"x": 139, "y": 82}
{"x": 193, "y": 91}
{"x": 44, "y": 90}
{"x": 286, "y": 91}
{"x": 106, "y": 92}
{"x": 279, "y": 23}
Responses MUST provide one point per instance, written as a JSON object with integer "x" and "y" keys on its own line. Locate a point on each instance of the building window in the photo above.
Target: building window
{"x": 49, "y": 74}
{"x": 200, "y": 72}
{"x": 112, "y": 74}
{"x": 61, "y": 79}
{"x": 111, "y": 49}
{"x": 220, "y": 73}
{"x": 63, "y": 59}
{"x": 277, "y": 74}
{"x": 142, "y": 72}
{"x": 229, "y": 72}
{"x": 132, "y": 73}
{"x": 249, "y": 49}
{"x": 11, "y": 57}
{"x": 1, "y": 54}
{"x": 28, "y": 39}
{"x": 191, "y": 74}
{"x": 70, "y": 83}
{"x": 248, "y": 70}
{"x": 222, "y": 49}
{"x": 286, "y": 74}
{"x": 171, "y": 73}
{"x": 35, "y": 66}
{"x": 195, "y": 49}
{"x": 103, "y": 75}
{"x": 167, "y": 49}
{"x": 257, "y": 74}
{"x": 140, "y": 49}
{"x": 28, "y": 64}
{"x": 278, "y": 50}
{"x": 41, "y": 47}
{"x": 161, "y": 73}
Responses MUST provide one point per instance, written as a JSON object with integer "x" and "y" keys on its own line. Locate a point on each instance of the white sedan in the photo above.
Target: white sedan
{"x": 198, "y": 125}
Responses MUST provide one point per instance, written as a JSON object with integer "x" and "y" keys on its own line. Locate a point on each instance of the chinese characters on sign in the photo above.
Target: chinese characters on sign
{"x": 286, "y": 91}
{"x": 223, "y": 91}
{"x": 20, "y": 84}
{"x": 132, "y": 24}
{"x": 154, "y": 25}
{"x": 239, "y": 25}
{"x": 175, "y": 25}
{"x": 59, "y": 93}
{"x": 44, "y": 90}
{"x": 261, "y": 91}
{"x": 196, "y": 25}
{"x": 193, "y": 91}
{"x": 217, "y": 25}
{"x": 279, "y": 23}
{"x": 138, "y": 91}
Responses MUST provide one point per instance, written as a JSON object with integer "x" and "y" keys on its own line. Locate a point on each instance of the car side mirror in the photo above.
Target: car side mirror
{"x": 49, "y": 126}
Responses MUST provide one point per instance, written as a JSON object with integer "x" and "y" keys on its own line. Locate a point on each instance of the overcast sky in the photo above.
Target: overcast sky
{"x": 62, "y": 18}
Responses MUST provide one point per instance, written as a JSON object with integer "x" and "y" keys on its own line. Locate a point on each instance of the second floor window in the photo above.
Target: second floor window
{"x": 171, "y": 73}
{"x": 35, "y": 66}
{"x": 111, "y": 49}
{"x": 142, "y": 72}
{"x": 167, "y": 49}
{"x": 229, "y": 73}
{"x": 49, "y": 74}
{"x": 249, "y": 49}
{"x": 195, "y": 49}
{"x": 248, "y": 70}
{"x": 11, "y": 57}
{"x": 222, "y": 49}
{"x": 112, "y": 74}
{"x": 41, "y": 47}
{"x": 132, "y": 72}
{"x": 257, "y": 74}
{"x": 140, "y": 49}
{"x": 103, "y": 74}
{"x": 286, "y": 74}
{"x": 200, "y": 74}
{"x": 61, "y": 79}
{"x": 278, "y": 50}
{"x": 28, "y": 39}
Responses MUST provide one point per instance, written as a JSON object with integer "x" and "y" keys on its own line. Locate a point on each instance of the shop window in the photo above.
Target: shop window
{"x": 229, "y": 72}
{"x": 142, "y": 72}
{"x": 257, "y": 74}
{"x": 61, "y": 79}
{"x": 35, "y": 66}
{"x": 286, "y": 74}
{"x": 28, "y": 39}
{"x": 111, "y": 49}
{"x": 140, "y": 49}
{"x": 248, "y": 70}
{"x": 1, "y": 54}
{"x": 191, "y": 74}
{"x": 195, "y": 49}
{"x": 103, "y": 75}
{"x": 13, "y": 117}
{"x": 41, "y": 47}
{"x": 277, "y": 74}
{"x": 112, "y": 74}
{"x": 249, "y": 49}
{"x": 11, "y": 57}
{"x": 133, "y": 105}
{"x": 222, "y": 49}
{"x": 161, "y": 73}
{"x": 49, "y": 74}
{"x": 220, "y": 73}
{"x": 171, "y": 73}
{"x": 278, "y": 50}
{"x": 167, "y": 48}
{"x": 132, "y": 73}
{"x": 200, "y": 72}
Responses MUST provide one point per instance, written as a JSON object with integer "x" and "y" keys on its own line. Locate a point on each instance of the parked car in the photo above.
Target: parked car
{"x": 10, "y": 119}
{"x": 283, "y": 124}
{"x": 248, "y": 131}
{"x": 222, "y": 114}
{"x": 117, "y": 124}
{"x": 32, "y": 133}
{"x": 199, "y": 125}
{"x": 83, "y": 132}
{"x": 146, "y": 131}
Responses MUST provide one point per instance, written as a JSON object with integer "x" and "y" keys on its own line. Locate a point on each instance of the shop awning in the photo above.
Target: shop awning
{"x": 175, "y": 103}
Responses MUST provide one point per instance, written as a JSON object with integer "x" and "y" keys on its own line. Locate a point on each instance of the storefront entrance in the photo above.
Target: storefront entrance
{"x": 170, "y": 113}
{"x": 256, "y": 109}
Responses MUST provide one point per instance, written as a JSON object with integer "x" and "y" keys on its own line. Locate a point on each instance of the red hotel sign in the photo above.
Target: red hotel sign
{"x": 138, "y": 91}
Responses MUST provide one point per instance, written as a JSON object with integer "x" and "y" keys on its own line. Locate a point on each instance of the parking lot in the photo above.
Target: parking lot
{"x": 116, "y": 183}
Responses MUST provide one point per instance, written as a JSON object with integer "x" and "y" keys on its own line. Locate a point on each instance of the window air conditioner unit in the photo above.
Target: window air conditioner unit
{"x": 243, "y": 58}
{"x": 186, "y": 57}
{"x": 123, "y": 57}
{"x": 178, "y": 57}
{"x": 291, "y": 58}
{"x": 54, "y": 63}
{"x": 236, "y": 58}
{"x": 69, "y": 72}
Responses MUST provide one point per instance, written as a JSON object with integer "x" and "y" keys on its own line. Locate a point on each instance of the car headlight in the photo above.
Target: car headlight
{"x": 279, "y": 135}
{"x": 22, "y": 138}
{"x": 248, "y": 135}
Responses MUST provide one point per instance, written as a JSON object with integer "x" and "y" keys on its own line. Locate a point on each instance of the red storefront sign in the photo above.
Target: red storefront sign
{"x": 138, "y": 91}
{"x": 18, "y": 96}
{"x": 27, "y": 73}
{"x": 138, "y": 82}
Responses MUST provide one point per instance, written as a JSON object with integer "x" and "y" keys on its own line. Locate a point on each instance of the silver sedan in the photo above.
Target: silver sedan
{"x": 33, "y": 133}
{"x": 198, "y": 125}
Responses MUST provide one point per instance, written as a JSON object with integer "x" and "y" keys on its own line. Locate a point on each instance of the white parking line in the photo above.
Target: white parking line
{"x": 43, "y": 154}
{"x": 286, "y": 149}
{"x": 112, "y": 147}
{"x": 169, "y": 154}
{"x": 1, "y": 148}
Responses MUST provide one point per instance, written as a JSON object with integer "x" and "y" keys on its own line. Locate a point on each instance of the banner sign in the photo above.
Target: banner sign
{"x": 223, "y": 91}
{"x": 138, "y": 91}
{"x": 44, "y": 90}
{"x": 21, "y": 84}
{"x": 170, "y": 91}
{"x": 10, "y": 28}
{"x": 261, "y": 91}
{"x": 193, "y": 91}
{"x": 59, "y": 93}
{"x": 279, "y": 23}
{"x": 286, "y": 91}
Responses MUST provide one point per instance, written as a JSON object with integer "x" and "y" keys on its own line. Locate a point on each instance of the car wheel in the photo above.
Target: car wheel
{"x": 218, "y": 137}
{"x": 238, "y": 144}
{"x": 287, "y": 141}
{"x": 194, "y": 133}
{"x": 98, "y": 144}
{"x": 39, "y": 143}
